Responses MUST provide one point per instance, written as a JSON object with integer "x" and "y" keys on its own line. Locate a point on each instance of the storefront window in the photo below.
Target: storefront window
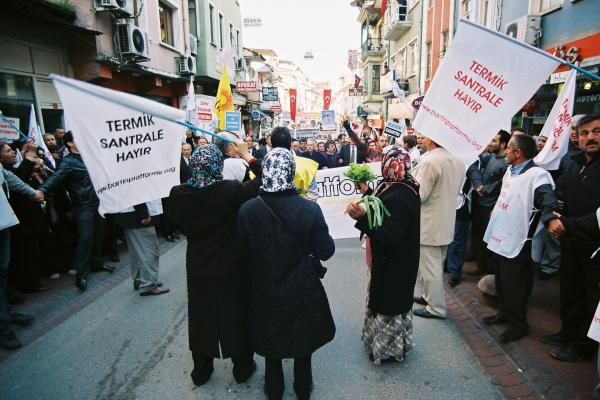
{"x": 16, "y": 97}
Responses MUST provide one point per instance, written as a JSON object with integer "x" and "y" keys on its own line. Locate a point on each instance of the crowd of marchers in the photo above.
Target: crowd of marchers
{"x": 256, "y": 239}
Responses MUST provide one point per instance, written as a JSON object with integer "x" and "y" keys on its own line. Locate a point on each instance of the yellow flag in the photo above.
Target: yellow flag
{"x": 224, "y": 98}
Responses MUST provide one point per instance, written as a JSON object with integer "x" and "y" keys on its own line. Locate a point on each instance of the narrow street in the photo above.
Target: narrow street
{"x": 123, "y": 346}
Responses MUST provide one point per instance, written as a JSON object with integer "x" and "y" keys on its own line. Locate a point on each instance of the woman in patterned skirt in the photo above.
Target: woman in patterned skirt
{"x": 393, "y": 252}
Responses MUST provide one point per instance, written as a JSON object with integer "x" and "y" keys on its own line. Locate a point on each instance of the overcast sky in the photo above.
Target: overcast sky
{"x": 328, "y": 28}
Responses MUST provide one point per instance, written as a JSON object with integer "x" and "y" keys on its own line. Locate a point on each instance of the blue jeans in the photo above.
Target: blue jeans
{"x": 456, "y": 250}
{"x": 4, "y": 261}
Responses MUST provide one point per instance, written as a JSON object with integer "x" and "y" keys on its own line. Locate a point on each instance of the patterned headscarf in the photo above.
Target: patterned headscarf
{"x": 207, "y": 166}
{"x": 395, "y": 167}
{"x": 279, "y": 168}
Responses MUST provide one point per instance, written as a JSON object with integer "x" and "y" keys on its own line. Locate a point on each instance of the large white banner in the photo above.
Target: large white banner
{"x": 558, "y": 126}
{"x": 484, "y": 79}
{"x": 128, "y": 144}
{"x": 335, "y": 192}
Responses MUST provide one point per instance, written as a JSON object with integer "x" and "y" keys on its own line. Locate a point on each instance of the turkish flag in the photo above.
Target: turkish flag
{"x": 356, "y": 81}
{"x": 326, "y": 99}
{"x": 293, "y": 94}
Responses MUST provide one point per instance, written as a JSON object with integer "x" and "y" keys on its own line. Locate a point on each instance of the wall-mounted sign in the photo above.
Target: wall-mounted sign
{"x": 352, "y": 59}
{"x": 246, "y": 86}
{"x": 270, "y": 94}
{"x": 252, "y": 22}
{"x": 355, "y": 91}
{"x": 416, "y": 103}
{"x": 276, "y": 109}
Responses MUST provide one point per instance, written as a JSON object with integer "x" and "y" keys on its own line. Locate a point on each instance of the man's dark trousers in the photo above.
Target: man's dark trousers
{"x": 88, "y": 254}
{"x": 514, "y": 282}
{"x": 579, "y": 295}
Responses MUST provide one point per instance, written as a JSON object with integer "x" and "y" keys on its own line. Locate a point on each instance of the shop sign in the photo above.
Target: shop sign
{"x": 246, "y": 86}
{"x": 276, "y": 109}
{"x": 416, "y": 103}
{"x": 8, "y": 134}
{"x": 270, "y": 94}
{"x": 570, "y": 55}
{"x": 355, "y": 91}
{"x": 252, "y": 22}
{"x": 352, "y": 59}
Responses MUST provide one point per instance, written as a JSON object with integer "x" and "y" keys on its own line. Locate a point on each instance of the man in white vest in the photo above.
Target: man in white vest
{"x": 440, "y": 176}
{"x": 526, "y": 199}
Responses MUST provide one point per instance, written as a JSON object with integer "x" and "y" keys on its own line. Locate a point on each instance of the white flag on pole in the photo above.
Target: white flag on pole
{"x": 484, "y": 79}
{"x": 191, "y": 111}
{"x": 558, "y": 126}
{"x": 131, "y": 146}
{"x": 35, "y": 134}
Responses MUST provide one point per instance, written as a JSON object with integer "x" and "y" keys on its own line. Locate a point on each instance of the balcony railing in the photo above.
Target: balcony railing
{"x": 396, "y": 20}
{"x": 372, "y": 47}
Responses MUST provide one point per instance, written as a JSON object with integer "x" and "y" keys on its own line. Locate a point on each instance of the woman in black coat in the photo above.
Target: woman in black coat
{"x": 218, "y": 279}
{"x": 290, "y": 312}
{"x": 394, "y": 253}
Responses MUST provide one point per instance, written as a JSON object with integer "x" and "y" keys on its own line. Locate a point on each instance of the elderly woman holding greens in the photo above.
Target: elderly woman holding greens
{"x": 393, "y": 255}
{"x": 218, "y": 279}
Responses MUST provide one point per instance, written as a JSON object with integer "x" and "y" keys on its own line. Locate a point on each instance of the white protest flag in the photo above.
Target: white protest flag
{"x": 35, "y": 134}
{"x": 484, "y": 79}
{"x": 191, "y": 113}
{"x": 558, "y": 127}
{"x": 131, "y": 146}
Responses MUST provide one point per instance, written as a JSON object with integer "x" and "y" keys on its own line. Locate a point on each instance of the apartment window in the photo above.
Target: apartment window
{"x": 211, "y": 17}
{"x": 165, "y": 14}
{"x": 237, "y": 43}
{"x": 402, "y": 62}
{"x": 466, "y": 7}
{"x": 192, "y": 17}
{"x": 231, "y": 36}
{"x": 429, "y": 59}
{"x": 412, "y": 58}
{"x": 402, "y": 10}
{"x": 483, "y": 12}
{"x": 375, "y": 88}
{"x": 549, "y": 5}
{"x": 221, "y": 28}
{"x": 444, "y": 43}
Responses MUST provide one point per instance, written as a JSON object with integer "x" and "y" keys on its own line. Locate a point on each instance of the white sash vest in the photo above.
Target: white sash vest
{"x": 507, "y": 230}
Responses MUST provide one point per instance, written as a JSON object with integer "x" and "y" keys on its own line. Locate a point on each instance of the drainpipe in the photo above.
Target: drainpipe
{"x": 420, "y": 48}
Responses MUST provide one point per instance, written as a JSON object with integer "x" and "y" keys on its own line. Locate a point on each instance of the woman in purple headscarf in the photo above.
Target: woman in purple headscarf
{"x": 394, "y": 255}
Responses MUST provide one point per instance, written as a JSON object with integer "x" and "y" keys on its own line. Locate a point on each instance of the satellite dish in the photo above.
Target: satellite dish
{"x": 308, "y": 56}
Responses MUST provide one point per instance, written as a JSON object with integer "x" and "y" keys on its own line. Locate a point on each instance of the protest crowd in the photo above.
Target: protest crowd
{"x": 262, "y": 201}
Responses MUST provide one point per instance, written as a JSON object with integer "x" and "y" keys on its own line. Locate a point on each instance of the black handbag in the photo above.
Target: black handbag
{"x": 314, "y": 261}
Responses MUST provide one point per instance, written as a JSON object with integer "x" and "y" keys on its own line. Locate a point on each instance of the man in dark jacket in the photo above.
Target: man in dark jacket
{"x": 185, "y": 172}
{"x": 579, "y": 189}
{"x": 526, "y": 187}
{"x": 138, "y": 223}
{"x": 90, "y": 225}
{"x": 486, "y": 182}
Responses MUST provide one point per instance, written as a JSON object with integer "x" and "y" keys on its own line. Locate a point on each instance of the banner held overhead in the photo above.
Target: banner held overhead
{"x": 132, "y": 153}
{"x": 475, "y": 91}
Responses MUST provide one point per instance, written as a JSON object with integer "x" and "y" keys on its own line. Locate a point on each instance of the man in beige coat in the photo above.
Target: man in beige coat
{"x": 440, "y": 176}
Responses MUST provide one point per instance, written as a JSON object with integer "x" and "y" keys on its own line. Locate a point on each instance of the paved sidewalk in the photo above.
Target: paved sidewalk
{"x": 528, "y": 359}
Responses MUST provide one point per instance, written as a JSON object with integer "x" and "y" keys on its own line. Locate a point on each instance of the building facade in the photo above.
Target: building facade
{"x": 121, "y": 45}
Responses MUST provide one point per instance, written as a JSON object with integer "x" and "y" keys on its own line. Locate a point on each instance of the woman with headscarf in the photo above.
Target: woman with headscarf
{"x": 286, "y": 236}
{"x": 218, "y": 280}
{"x": 393, "y": 255}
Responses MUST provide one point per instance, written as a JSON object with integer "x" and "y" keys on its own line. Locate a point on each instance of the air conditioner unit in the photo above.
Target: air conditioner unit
{"x": 193, "y": 45}
{"x": 133, "y": 42}
{"x": 526, "y": 29}
{"x": 239, "y": 64}
{"x": 186, "y": 65}
{"x": 120, "y": 7}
